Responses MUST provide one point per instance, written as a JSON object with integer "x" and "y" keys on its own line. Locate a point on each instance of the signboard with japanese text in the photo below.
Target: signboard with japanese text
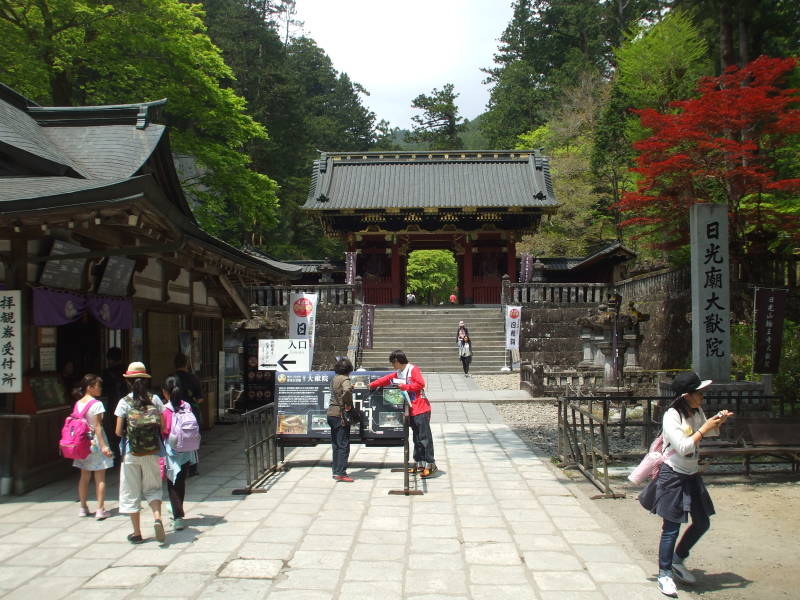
{"x": 349, "y": 268}
{"x": 10, "y": 342}
{"x": 303, "y": 399}
{"x": 302, "y": 319}
{"x": 768, "y": 324}
{"x": 284, "y": 355}
{"x": 710, "y": 260}
{"x": 513, "y": 316}
{"x": 367, "y": 323}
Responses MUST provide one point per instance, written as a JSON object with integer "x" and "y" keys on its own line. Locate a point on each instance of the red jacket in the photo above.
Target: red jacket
{"x": 415, "y": 386}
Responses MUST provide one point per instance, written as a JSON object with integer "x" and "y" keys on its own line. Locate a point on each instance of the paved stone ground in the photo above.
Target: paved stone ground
{"x": 498, "y": 522}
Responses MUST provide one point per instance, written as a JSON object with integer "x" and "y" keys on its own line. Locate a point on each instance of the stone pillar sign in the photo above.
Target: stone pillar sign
{"x": 710, "y": 257}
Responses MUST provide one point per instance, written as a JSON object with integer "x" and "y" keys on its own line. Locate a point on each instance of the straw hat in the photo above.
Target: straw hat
{"x": 136, "y": 369}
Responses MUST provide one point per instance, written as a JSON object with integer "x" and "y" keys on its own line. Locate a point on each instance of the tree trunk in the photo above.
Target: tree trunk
{"x": 726, "y": 53}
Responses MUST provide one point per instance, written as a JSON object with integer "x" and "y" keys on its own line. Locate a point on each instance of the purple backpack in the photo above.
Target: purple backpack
{"x": 75, "y": 441}
{"x": 184, "y": 434}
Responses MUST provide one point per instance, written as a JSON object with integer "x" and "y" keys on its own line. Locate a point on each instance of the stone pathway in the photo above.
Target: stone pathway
{"x": 498, "y": 522}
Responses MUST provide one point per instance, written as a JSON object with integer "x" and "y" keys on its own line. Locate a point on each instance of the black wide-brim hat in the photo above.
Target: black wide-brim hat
{"x": 687, "y": 382}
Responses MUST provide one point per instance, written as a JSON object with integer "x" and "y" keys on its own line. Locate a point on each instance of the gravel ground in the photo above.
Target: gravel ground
{"x": 536, "y": 422}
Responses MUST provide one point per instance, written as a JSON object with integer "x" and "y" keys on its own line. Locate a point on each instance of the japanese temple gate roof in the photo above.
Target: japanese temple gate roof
{"x": 379, "y": 180}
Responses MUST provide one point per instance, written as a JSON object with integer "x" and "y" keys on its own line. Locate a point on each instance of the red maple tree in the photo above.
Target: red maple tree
{"x": 728, "y": 146}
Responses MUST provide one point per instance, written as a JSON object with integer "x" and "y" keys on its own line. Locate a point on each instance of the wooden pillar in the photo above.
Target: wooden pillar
{"x": 511, "y": 264}
{"x": 467, "y": 273}
{"x": 396, "y": 273}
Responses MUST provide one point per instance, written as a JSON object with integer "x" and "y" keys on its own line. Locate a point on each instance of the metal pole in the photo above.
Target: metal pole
{"x": 406, "y": 491}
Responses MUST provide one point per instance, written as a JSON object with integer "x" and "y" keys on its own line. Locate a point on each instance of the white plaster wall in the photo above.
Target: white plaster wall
{"x": 179, "y": 289}
{"x": 200, "y": 292}
{"x": 147, "y": 284}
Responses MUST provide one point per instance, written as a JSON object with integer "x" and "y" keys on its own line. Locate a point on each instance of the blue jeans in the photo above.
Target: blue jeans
{"x": 670, "y": 530}
{"x": 340, "y": 445}
{"x": 423, "y": 438}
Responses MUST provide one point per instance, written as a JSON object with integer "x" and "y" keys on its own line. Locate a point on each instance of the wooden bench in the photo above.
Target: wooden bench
{"x": 758, "y": 436}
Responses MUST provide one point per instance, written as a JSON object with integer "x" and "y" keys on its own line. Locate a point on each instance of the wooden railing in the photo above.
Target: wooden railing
{"x": 329, "y": 293}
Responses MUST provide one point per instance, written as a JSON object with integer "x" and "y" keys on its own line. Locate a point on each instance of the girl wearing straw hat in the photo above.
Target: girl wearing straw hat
{"x": 140, "y": 423}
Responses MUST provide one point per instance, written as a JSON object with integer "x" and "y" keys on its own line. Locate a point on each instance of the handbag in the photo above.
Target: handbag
{"x": 351, "y": 416}
{"x": 651, "y": 463}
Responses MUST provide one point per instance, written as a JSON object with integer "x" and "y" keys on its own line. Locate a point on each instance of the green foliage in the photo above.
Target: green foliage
{"x": 439, "y": 125}
{"x": 662, "y": 63}
{"x": 81, "y": 52}
{"x": 431, "y": 275}
{"x": 582, "y": 219}
{"x": 547, "y": 47}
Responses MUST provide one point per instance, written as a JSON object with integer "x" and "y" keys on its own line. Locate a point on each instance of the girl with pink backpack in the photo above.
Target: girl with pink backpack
{"x": 100, "y": 458}
{"x": 181, "y": 440}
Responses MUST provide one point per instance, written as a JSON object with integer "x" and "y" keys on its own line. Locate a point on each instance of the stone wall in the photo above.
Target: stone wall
{"x": 334, "y": 324}
{"x": 551, "y": 336}
{"x": 667, "y": 336}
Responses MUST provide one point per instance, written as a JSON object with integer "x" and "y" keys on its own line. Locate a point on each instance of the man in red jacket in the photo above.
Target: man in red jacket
{"x": 409, "y": 379}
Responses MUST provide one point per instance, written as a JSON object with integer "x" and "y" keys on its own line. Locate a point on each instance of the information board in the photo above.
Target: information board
{"x": 67, "y": 274}
{"x": 116, "y": 276}
{"x": 303, "y": 400}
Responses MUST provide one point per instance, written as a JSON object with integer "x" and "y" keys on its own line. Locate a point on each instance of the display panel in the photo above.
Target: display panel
{"x": 303, "y": 399}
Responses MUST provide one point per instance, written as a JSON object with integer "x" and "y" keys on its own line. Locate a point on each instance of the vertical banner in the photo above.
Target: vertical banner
{"x": 302, "y": 319}
{"x": 711, "y": 314}
{"x": 349, "y": 268}
{"x": 10, "y": 342}
{"x": 768, "y": 324}
{"x": 367, "y": 322}
{"x": 513, "y": 317}
{"x": 526, "y": 268}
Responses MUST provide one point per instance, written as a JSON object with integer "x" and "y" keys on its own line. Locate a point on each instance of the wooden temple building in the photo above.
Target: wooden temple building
{"x": 385, "y": 205}
{"x": 98, "y": 249}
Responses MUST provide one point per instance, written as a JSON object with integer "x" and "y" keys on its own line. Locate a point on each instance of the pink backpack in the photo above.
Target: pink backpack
{"x": 75, "y": 441}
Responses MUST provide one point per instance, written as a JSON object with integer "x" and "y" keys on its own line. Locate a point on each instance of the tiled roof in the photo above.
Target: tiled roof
{"x": 426, "y": 180}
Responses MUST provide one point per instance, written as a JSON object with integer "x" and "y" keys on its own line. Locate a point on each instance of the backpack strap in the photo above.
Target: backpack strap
{"x": 82, "y": 413}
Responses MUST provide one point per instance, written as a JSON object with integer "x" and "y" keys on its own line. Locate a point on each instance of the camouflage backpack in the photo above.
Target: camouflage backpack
{"x": 143, "y": 429}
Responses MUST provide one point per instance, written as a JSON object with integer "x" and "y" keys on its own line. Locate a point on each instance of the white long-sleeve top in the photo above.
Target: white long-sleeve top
{"x": 678, "y": 432}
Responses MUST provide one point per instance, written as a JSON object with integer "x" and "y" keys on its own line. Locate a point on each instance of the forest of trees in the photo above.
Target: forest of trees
{"x": 598, "y": 85}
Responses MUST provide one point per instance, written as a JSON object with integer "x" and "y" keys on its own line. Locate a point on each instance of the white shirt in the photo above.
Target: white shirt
{"x": 95, "y": 409}
{"x": 678, "y": 432}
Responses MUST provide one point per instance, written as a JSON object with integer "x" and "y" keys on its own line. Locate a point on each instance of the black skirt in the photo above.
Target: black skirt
{"x": 670, "y": 495}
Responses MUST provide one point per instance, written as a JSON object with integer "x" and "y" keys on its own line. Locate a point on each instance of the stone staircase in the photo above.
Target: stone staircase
{"x": 427, "y": 334}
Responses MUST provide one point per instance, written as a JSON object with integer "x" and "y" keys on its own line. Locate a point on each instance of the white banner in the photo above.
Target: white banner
{"x": 513, "y": 316}
{"x": 10, "y": 342}
{"x": 302, "y": 319}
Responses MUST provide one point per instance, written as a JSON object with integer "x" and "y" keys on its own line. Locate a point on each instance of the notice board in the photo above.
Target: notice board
{"x": 303, "y": 399}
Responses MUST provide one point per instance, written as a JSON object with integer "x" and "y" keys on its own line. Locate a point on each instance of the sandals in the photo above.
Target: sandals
{"x": 135, "y": 539}
{"x": 158, "y": 526}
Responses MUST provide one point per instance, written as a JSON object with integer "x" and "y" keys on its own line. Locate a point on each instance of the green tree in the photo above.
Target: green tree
{"x": 583, "y": 219}
{"x": 548, "y": 46}
{"x": 431, "y": 275}
{"x": 439, "y": 125}
{"x": 79, "y": 52}
{"x": 662, "y": 63}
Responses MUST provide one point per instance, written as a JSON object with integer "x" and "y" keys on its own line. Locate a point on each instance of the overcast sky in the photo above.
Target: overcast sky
{"x": 398, "y": 49}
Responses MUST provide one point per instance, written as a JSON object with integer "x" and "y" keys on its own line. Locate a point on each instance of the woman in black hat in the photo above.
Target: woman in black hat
{"x": 679, "y": 491}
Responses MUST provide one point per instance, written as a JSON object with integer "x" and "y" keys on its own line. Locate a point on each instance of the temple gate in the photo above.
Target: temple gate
{"x": 385, "y": 205}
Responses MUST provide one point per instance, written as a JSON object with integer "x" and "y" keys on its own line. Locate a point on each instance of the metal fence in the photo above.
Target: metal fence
{"x": 260, "y": 445}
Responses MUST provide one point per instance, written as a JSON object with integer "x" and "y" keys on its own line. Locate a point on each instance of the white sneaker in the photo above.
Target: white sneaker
{"x": 680, "y": 572}
{"x": 667, "y": 587}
